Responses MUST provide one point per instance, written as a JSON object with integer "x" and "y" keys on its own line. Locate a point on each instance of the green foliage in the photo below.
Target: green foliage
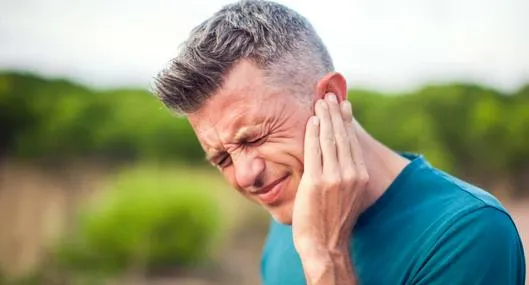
{"x": 56, "y": 119}
{"x": 402, "y": 123}
{"x": 462, "y": 128}
{"x": 466, "y": 129}
{"x": 152, "y": 218}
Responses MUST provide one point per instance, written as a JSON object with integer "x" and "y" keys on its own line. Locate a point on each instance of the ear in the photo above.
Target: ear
{"x": 334, "y": 83}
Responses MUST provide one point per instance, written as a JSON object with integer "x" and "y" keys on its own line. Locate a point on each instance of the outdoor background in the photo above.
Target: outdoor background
{"x": 100, "y": 184}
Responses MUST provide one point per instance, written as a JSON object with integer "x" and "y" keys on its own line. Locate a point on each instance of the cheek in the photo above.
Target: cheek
{"x": 297, "y": 142}
{"x": 285, "y": 151}
{"x": 297, "y": 137}
{"x": 286, "y": 146}
{"x": 297, "y": 151}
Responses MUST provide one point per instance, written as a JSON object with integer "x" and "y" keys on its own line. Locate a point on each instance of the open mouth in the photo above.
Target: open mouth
{"x": 270, "y": 193}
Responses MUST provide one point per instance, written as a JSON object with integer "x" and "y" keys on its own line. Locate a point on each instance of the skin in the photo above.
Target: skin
{"x": 263, "y": 137}
{"x": 322, "y": 168}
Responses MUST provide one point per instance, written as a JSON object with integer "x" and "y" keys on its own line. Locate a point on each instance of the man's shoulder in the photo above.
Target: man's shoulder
{"x": 452, "y": 221}
{"x": 459, "y": 196}
{"x": 421, "y": 182}
{"x": 428, "y": 185}
{"x": 434, "y": 201}
{"x": 452, "y": 207}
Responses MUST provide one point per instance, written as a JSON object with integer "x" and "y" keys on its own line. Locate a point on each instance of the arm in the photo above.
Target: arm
{"x": 330, "y": 194}
{"x": 483, "y": 247}
{"x": 327, "y": 267}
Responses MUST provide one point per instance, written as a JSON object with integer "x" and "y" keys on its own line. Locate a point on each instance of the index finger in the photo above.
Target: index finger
{"x": 312, "y": 150}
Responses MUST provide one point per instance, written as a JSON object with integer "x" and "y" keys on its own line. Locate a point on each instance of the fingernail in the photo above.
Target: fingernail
{"x": 322, "y": 104}
{"x": 315, "y": 120}
{"x": 331, "y": 97}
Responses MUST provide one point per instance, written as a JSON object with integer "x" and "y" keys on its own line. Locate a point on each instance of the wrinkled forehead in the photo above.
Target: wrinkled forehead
{"x": 220, "y": 121}
{"x": 242, "y": 88}
{"x": 244, "y": 99}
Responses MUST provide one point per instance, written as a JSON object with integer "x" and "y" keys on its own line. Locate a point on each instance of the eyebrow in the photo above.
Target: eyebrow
{"x": 240, "y": 136}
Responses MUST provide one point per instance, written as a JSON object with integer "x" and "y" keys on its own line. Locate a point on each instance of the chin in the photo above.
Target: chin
{"x": 282, "y": 212}
{"x": 283, "y": 220}
{"x": 282, "y": 215}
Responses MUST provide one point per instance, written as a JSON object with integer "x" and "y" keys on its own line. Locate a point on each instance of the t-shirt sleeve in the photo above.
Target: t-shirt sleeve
{"x": 483, "y": 247}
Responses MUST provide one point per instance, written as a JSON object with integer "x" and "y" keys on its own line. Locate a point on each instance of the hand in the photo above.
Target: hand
{"x": 329, "y": 198}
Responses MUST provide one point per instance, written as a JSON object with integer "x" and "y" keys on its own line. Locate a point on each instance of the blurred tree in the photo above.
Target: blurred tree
{"x": 467, "y": 129}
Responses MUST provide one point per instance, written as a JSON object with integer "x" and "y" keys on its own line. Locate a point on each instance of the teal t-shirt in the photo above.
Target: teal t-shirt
{"x": 427, "y": 228}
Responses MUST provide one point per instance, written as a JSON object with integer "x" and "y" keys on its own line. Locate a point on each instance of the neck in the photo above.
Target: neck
{"x": 383, "y": 165}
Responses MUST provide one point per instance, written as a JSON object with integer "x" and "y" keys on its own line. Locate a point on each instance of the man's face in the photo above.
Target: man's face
{"x": 254, "y": 133}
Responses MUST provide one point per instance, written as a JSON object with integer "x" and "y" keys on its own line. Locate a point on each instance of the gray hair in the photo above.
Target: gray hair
{"x": 278, "y": 40}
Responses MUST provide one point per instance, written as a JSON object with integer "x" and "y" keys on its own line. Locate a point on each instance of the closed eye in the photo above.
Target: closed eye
{"x": 225, "y": 161}
{"x": 255, "y": 141}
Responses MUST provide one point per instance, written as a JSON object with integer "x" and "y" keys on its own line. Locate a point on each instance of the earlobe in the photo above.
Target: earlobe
{"x": 334, "y": 83}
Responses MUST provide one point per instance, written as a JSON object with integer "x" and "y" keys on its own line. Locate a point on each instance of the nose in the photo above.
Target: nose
{"x": 249, "y": 170}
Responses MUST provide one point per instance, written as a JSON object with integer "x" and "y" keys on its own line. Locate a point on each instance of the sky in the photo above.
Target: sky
{"x": 385, "y": 45}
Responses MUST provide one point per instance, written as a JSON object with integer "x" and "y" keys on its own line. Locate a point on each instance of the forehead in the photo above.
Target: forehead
{"x": 243, "y": 101}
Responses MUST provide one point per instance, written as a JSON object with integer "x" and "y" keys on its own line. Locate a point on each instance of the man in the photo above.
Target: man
{"x": 260, "y": 91}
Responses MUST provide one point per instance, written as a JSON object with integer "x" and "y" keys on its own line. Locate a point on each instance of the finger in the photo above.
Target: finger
{"x": 327, "y": 140}
{"x": 356, "y": 150}
{"x": 312, "y": 150}
{"x": 343, "y": 147}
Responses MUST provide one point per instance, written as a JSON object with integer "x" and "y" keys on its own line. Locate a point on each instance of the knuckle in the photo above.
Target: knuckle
{"x": 332, "y": 181}
{"x": 349, "y": 175}
{"x": 316, "y": 182}
{"x": 363, "y": 177}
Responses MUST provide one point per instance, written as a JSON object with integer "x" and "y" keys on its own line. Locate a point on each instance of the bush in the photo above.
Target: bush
{"x": 150, "y": 218}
